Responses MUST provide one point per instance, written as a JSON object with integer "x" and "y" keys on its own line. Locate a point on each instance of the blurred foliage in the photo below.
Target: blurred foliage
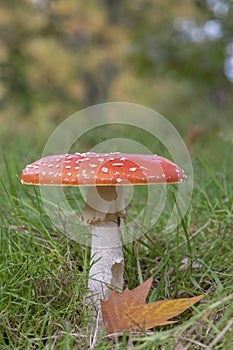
{"x": 58, "y": 56}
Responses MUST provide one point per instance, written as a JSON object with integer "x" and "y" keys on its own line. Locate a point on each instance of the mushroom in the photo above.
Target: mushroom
{"x": 105, "y": 175}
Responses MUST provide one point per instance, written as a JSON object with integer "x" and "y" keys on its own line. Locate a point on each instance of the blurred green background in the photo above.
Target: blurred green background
{"x": 58, "y": 57}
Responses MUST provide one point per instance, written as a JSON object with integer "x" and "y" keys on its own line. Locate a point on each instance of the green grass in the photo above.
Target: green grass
{"x": 43, "y": 273}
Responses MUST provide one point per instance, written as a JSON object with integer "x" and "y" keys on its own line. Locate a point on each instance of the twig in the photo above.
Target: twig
{"x": 220, "y": 335}
{"x": 93, "y": 342}
{"x": 192, "y": 341}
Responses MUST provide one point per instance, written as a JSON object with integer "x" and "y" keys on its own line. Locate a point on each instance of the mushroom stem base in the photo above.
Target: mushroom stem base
{"x": 104, "y": 212}
{"x": 107, "y": 263}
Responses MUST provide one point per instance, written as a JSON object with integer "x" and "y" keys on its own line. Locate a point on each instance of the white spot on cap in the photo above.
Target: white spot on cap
{"x": 133, "y": 169}
{"x": 104, "y": 170}
{"x": 67, "y": 166}
{"x": 101, "y": 160}
{"x": 84, "y": 173}
{"x": 69, "y": 174}
{"x": 93, "y": 165}
{"x": 117, "y": 164}
{"x": 118, "y": 179}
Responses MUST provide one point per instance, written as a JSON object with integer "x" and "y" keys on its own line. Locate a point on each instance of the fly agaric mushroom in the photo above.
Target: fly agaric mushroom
{"x": 106, "y": 175}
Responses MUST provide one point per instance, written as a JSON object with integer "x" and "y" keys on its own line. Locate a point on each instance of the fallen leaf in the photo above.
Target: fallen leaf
{"x": 129, "y": 312}
{"x": 135, "y": 297}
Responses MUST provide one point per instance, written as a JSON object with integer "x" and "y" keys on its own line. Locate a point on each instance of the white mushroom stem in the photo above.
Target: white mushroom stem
{"x": 104, "y": 211}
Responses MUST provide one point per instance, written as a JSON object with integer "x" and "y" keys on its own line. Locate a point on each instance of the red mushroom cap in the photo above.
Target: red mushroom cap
{"x": 90, "y": 169}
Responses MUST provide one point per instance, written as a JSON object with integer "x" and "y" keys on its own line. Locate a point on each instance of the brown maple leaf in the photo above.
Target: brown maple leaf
{"x": 129, "y": 312}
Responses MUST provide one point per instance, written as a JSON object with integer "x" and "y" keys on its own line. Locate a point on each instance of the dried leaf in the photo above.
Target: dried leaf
{"x": 134, "y": 297}
{"x": 129, "y": 312}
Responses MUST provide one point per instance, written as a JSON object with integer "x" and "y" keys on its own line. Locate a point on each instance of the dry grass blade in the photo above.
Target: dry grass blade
{"x": 218, "y": 338}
